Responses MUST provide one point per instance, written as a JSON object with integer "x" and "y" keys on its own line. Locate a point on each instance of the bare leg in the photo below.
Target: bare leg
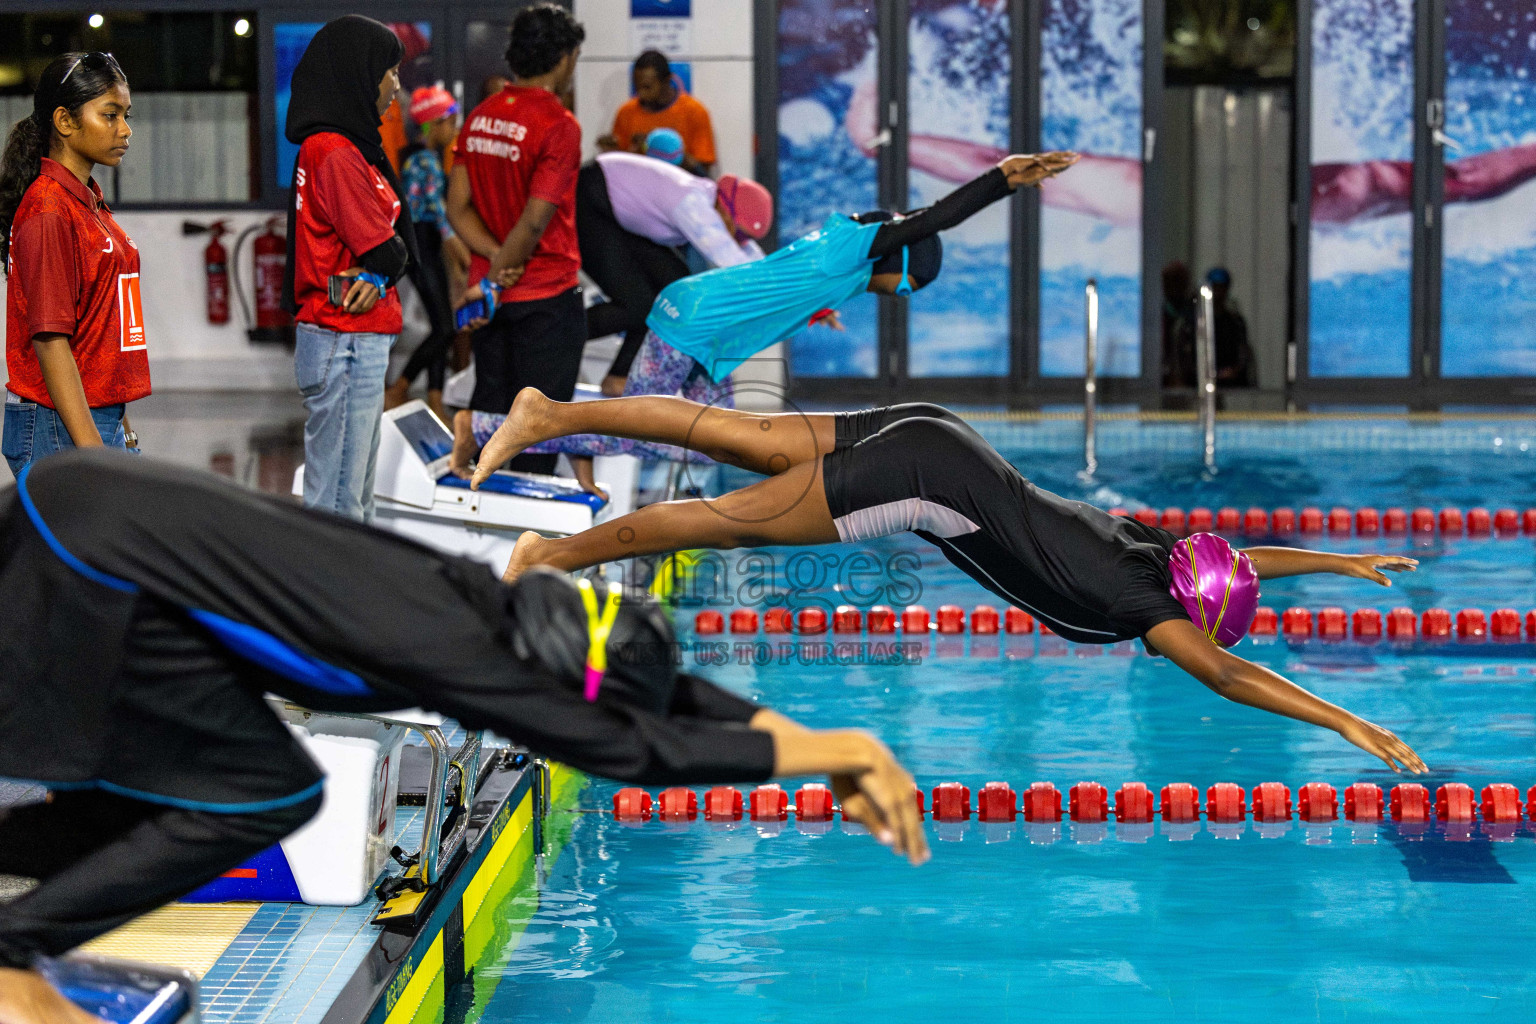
{"x": 763, "y": 443}
{"x": 790, "y": 508}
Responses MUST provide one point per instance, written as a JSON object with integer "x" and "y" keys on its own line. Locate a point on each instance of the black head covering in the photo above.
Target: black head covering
{"x": 336, "y": 89}
{"x": 550, "y": 629}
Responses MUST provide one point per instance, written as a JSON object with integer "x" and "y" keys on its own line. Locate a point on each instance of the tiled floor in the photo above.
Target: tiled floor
{"x": 291, "y": 961}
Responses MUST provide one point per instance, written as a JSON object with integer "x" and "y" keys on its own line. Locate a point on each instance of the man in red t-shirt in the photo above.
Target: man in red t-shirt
{"x": 512, "y": 199}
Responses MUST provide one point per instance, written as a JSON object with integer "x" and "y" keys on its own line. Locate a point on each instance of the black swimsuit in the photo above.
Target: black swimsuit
{"x": 1090, "y": 576}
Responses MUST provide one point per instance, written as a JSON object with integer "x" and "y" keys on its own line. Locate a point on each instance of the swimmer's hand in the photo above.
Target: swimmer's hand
{"x": 828, "y": 318}
{"x": 1375, "y": 567}
{"x": 473, "y": 293}
{"x": 1032, "y": 168}
{"x": 1373, "y": 739}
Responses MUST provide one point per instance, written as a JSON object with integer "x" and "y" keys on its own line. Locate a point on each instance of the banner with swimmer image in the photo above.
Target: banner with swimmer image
{"x": 1091, "y": 102}
{"x": 1488, "y": 269}
{"x": 1361, "y": 238}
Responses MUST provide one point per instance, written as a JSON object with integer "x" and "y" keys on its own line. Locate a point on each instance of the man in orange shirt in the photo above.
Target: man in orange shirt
{"x": 661, "y": 102}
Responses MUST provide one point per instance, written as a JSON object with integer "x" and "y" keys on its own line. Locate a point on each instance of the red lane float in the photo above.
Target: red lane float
{"x": 882, "y": 620}
{"x": 1339, "y": 521}
{"x": 1402, "y": 624}
{"x": 1422, "y": 520}
{"x": 1504, "y": 624}
{"x": 1455, "y": 801}
{"x": 1256, "y": 522}
{"x": 914, "y": 619}
{"x": 1394, "y": 521}
{"x": 1283, "y": 523}
{"x": 1471, "y": 624}
{"x": 997, "y": 802}
{"x": 1367, "y": 522}
{"x": 723, "y": 803}
{"x": 813, "y": 802}
{"x": 1451, "y": 522}
{"x": 1363, "y": 802}
{"x": 769, "y": 803}
{"x": 847, "y": 619}
{"x": 811, "y": 621}
{"x": 1146, "y": 515}
{"x": 678, "y": 803}
{"x": 1501, "y": 803}
{"x": 1173, "y": 521}
{"x": 1018, "y": 621}
{"x": 1528, "y": 521}
{"x": 1479, "y": 522}
{"x": 1297, "y": 622}
{"x": 1506, "y": 522}
{"x": 632, "y": 804}
{"x": 1530, "y": 625}
{"x": 1228, "y": 520}
{"x": 708, "y": 623}
{"x": 951, "y": 618}
{"x": 743, "y": 620}
{"x": 1226, "y": 802}
{"x": 1271, "y": 802}
{"x": 1201, "y": 521}
{"x": 984, "y": 620}
{"x": 1179, "y": 801}
{"x": 1042, "y": 802}
{"x": 1435, "y": 623}
{"x": 1410, "y": 802}
{"x": 1089, "y": 801}
{"x": 951, "y": 802}
{"x": 1332, "y": 624}
{"x": 1311, "y": 521}
{"x": 1265, "y": 623}
{"x": 1367, "y": 625}
{"x": 1133, "y": 803}
{"x": 1317, "y": 801}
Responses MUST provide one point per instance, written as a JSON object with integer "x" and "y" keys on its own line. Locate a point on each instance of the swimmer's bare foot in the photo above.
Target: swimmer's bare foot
{"x": 529, "y": 422}
{"x": 613, "y": 386}
{"x": 581, "y": 465}
{"x": 463, "y": 444}
{"x": 26, "y": 998}
{"x": 525, "y": 555}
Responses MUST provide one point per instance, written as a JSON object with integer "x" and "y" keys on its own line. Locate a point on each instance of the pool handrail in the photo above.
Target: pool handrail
{"x": 1091, "y": 379}
{"x": 1205, "y": 372}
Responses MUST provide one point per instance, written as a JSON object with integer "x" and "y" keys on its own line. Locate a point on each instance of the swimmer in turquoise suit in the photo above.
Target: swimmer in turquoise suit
{"x": 706, "y": 326}
{"x": 1092, "y": 577}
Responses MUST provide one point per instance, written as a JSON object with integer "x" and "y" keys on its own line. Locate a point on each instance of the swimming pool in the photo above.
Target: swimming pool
{"x": 705, "y": 922}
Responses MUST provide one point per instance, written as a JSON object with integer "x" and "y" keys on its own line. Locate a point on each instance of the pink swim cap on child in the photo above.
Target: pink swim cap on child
{"x": 750, "y": 205}
{"x": 431, "y": 102}
{"x": 1216, "y": 585}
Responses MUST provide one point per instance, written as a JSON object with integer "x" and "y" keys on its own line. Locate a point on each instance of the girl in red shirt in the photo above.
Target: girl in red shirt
{"x": 74, "y": 337}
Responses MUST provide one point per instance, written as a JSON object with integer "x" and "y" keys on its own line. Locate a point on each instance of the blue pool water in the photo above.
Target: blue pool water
{"x": 703, "y": 923}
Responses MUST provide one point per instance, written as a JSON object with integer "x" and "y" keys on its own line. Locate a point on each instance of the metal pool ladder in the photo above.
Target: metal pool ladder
{"x": 1205, "y": 372}
{"x": 1091, "y": 383}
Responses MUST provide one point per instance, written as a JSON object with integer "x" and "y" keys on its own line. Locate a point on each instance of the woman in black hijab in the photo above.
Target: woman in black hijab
{"x": 350, "y": 240}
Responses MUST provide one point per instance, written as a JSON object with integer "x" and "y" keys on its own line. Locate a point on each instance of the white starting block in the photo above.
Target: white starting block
{"x": 417, "y": 497}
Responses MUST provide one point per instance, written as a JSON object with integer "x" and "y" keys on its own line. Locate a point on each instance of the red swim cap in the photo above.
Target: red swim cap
{"x": 431, "y": 102}
{"x": 750, "y": 205}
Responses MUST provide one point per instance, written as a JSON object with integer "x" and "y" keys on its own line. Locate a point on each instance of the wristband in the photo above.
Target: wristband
{"x": 377, "y": 280}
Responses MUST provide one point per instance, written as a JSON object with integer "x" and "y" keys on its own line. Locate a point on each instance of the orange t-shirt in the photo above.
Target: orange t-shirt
{"x": 685, "y": 115}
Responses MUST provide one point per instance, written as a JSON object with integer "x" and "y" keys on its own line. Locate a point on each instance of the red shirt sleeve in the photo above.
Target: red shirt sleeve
{"x": 554, "y": 178}
{"x": 344, "y": 190}
{"x": 43, "y": 258}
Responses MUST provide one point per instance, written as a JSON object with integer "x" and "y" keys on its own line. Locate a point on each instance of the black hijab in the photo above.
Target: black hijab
{"x": 336, "y": 89}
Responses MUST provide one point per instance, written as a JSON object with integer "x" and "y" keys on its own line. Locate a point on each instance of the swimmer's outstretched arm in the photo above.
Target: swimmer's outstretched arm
{"x": 1272, "y": 563}
{"x": 1246, "y": 683}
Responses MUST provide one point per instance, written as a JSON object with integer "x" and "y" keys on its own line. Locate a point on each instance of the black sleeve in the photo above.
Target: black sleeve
{"x": 964, "y": 202}
{"x": 387, "y": 259}
{"x": 700, "y": 698}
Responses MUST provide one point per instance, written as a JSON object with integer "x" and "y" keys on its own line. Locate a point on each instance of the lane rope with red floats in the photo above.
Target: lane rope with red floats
{"x": 1398, "y": 626}
{"x": 1498, "y": 808}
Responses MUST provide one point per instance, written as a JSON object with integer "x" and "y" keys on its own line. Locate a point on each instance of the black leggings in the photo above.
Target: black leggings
{"x": 102, "y": 860}
{"x": 630, "y": 270}
{"x": 431, "y": 280}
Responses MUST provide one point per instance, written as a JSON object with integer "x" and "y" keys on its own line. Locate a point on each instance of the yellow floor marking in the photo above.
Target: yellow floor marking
{"x": 191, "y": 936}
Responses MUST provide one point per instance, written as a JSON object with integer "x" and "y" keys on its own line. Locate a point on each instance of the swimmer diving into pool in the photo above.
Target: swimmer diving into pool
{"x": 149, "y": 608}
{"x": 705, "y": 326}
{"x": 1092, "y": 577}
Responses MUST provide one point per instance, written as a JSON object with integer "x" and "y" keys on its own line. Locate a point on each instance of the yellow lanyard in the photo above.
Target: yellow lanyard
{"x": 599, "y": 624}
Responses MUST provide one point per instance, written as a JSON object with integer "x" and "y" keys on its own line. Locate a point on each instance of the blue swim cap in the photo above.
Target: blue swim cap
{"x": 665, "y": 144}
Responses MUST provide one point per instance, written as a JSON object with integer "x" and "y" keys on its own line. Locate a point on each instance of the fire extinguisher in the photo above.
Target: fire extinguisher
{"x": 216, "y": 267}
{"x": 271, "y": 255}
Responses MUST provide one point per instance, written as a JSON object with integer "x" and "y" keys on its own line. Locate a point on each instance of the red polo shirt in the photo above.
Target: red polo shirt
{"x": 518, "y": 145}
{"x": 73, "y": 270}
{"x": 344, "y": 208}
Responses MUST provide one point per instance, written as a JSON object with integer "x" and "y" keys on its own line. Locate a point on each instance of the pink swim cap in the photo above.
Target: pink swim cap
{"x": 1216, "y": 585}
{"x": 750, "y": 205}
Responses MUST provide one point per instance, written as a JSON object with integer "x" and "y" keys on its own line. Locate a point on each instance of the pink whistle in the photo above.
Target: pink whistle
{"x": 594, "y": 682}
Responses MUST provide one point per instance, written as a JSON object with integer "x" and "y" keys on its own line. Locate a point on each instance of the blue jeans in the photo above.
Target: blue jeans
{"x": 341, "y": 376}
{"x": 34, "y": 431}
